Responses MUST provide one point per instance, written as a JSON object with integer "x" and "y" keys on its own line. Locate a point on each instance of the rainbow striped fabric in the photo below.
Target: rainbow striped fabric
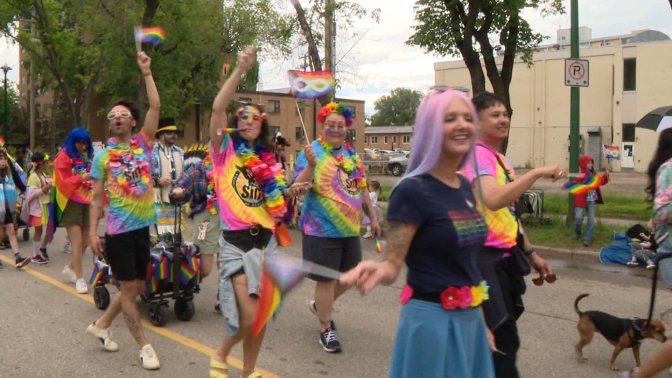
{"x": 311, "y": 85}
{"x": 594, "y": 182}
{"x": 154, "y": 35}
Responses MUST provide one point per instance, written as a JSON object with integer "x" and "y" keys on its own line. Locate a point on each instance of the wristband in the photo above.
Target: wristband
{"x": 529, "y": 252}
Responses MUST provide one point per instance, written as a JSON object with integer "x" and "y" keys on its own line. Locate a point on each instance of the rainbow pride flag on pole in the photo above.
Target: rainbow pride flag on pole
{"x": 309, "y": 85}
{"x": 279, "y": 276}
{"x": 154, "y": 35}
{"x": 611, "y": 152}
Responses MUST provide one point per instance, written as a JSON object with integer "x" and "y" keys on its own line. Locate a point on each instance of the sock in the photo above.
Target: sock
{"x": 36, "y": 246}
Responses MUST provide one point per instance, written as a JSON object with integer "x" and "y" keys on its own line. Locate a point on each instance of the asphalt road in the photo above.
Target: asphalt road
{"x": 42, "y": 323}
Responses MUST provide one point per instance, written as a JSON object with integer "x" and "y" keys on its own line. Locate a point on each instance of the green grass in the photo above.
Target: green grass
{"x": 555, "y": 233}
{"x": 614, "y": 207}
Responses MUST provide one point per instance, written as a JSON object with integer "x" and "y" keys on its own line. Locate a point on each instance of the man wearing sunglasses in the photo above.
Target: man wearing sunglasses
{"x": 167, "y": 164}
{"x": 124, "y": 169}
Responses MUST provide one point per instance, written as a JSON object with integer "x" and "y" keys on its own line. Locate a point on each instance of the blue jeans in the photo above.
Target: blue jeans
{"x": 579, "y": 212}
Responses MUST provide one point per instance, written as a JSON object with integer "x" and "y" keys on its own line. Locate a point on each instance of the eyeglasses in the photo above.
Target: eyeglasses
{"x": 118, "y": 113}
{"x": 333, "y": 125}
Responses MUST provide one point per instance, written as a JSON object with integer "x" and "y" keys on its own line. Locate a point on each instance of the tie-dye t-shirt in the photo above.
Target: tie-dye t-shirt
{"x": 662, "y": 202}
{"x": 125, "y": 168}
{"x": 502, "y": 226}
{"x": 332, "y": 208}
{"x": 240, "y": 199}
{"x": 450, "y": 232}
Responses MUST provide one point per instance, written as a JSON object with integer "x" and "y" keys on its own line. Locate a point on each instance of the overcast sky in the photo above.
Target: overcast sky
{"x": 380, "y": 61}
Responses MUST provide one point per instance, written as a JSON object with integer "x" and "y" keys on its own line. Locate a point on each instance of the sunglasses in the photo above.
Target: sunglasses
{"x": 443, "y": 88}
{"x": 246, "y": 114}
{"x": 549, "y": 278}
{"x": 118, "y": 113}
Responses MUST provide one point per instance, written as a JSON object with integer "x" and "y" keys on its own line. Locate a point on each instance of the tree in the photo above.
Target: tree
{"x": 325, "y": 12}
{"x": 397, "y": 109}
{"x": 84, "y": 48}
{"x": 475, "y": 30}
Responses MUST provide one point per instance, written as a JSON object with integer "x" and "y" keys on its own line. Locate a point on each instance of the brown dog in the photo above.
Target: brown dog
{"x": 621, "y": 333}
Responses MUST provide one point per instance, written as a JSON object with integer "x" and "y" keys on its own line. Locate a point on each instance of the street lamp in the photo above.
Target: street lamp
{"x": 5, "y": 124}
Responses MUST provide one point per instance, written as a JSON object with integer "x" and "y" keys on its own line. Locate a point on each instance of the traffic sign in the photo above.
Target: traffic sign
{"x": 576, "y": 72}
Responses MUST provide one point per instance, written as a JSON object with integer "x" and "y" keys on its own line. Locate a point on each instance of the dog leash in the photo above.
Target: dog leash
{"x": 659, "y": 257}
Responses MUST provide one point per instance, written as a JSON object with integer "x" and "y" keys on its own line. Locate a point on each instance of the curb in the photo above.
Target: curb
{"x": 579, "y": 254}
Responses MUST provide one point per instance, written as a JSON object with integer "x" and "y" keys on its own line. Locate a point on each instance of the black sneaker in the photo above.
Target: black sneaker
{"x": 38, "y": 259}
{"x": 43, "y": 252}
{"x": 1, "y": 266}
{"x": 21, "y": 261}
{"x": 329, "y": 342}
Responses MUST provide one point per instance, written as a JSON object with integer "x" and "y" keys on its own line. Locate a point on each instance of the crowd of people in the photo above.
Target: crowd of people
{"x": 466, "y": 253}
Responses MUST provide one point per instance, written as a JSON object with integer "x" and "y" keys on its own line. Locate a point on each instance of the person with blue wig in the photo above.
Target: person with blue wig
{"x": 437, "y": 230}
{"x": 73, "y": 186}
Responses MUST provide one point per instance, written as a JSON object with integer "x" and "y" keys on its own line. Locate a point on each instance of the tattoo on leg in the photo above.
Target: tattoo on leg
{"x": 135, "y": 327}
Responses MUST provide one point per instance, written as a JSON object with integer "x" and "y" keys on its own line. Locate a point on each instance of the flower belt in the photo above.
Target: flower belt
{"x": 452, "y": 298}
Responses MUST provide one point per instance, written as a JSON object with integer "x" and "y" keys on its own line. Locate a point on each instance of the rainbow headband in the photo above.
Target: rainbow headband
{"x": 338, "y": 108}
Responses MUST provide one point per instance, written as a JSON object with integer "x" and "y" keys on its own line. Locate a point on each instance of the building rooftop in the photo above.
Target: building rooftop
{"x": 388, "y": 130}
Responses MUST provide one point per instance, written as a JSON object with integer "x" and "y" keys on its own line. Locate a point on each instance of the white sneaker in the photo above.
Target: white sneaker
{"x": 69, "y": 274}
{"x": 81, "y": 287}
{"x": 104, "y": 336}
{"x": 148, "y": 358}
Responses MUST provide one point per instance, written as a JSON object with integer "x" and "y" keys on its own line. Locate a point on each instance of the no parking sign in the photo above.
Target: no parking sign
{"x": 576, "y": 72}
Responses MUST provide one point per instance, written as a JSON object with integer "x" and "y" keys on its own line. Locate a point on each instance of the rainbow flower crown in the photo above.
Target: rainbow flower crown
{"x": 338, "y": 108}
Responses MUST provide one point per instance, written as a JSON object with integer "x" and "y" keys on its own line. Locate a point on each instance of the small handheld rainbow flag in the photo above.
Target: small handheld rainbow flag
{"x": 309, "y": 85}
{"x": 279, "y": 275}
{"x": 611, "y": 152}
{"x": 379, "y": 247}
{"x": 154, "y": 35}
{"x": 226, "y": 130}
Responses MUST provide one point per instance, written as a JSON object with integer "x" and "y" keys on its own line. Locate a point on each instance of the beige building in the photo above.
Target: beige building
{"x": 629, "y": 75}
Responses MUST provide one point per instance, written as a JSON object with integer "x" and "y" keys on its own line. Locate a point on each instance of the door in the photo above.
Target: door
{"x": 628, "y": 155}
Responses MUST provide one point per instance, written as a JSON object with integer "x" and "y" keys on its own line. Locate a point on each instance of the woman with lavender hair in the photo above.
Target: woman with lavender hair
{"x": 437, "y": 231}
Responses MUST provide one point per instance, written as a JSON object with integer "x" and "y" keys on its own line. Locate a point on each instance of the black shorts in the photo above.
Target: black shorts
{"x": 128, "y": 254}
{"x": 340, "y": 254}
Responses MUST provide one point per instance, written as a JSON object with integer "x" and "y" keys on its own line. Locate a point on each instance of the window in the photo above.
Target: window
{"x": 273, "y": 106}
{"x": 274, "y": 130}
{"x": 385, "y": 139}
{"x": 406, "y": 139}
{"x": 366, "y": 140}
{"x": 630, "y": 75}
{"x": 394, "y": 140}
{"x": 374, "y": 139}
{"x": 298, "y": 134}
{"x": 628, "y": 132}
{"x": 351, "y": 135}
{"x": 302, "y": 107}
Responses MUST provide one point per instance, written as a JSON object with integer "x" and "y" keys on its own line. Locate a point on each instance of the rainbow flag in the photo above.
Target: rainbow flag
{"x": 582, "y": 188}
{"x": 311, "y": 85}
{"x": 379, "y": 246}
{"x": 62, "y": 189}
{"x": 154, "y": 35}
{"x": 279, "y": 276}
{"x": 611, "y": 152}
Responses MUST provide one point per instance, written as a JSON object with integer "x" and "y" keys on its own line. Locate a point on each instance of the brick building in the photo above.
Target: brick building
{"x": 388, "y": 137}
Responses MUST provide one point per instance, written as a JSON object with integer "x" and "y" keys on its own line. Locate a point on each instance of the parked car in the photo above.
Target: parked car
{"x": 397, "y": 165}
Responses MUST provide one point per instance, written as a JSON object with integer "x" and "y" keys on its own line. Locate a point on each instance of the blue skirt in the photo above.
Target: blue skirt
{"x": 433, "y": 342}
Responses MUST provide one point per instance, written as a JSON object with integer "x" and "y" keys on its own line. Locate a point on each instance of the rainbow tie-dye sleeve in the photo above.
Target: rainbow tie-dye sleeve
{"x": 502, "y": 227}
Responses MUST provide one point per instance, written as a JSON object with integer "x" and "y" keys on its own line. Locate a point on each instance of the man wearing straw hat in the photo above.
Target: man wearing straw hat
{"x": 167, "y": 164}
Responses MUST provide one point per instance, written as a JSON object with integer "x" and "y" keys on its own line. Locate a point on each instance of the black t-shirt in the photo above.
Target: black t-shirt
{"x": 450, "y": 232}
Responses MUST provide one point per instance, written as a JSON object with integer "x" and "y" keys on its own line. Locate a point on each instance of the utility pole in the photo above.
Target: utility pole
{"x": 575, "y": 103}
{"x": 5, "y": 123}
{"x": 31, "y": 96}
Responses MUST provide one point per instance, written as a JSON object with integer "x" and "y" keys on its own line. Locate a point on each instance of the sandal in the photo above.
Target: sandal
{"x": 218, "y": 369}
{"x": 254, "y": 375}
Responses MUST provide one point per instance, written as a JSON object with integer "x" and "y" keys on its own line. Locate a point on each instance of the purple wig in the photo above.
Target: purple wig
{"x": 428, "y": 137}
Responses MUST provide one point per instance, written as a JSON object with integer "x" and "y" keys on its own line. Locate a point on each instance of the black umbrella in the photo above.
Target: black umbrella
{"x": 657, "y": 120}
